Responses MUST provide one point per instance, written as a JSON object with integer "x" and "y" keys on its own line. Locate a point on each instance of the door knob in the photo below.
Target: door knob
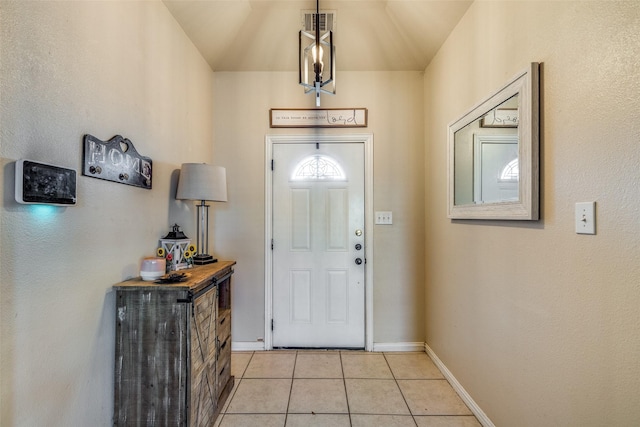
{"x": 358, "y": 261}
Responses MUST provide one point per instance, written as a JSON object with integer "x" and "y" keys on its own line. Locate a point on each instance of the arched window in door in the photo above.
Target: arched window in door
{"x": 318, "y": 168}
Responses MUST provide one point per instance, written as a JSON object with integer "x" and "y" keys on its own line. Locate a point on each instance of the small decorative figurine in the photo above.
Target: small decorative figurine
{"x": 177, "y": 249}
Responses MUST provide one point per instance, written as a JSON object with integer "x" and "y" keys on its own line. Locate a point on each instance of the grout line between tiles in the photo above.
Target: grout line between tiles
{"x": 293, "y": 374}
{"x": 346, "y": 394}
{"x": 244, "y": 371}
{"x": 400, "y": 389}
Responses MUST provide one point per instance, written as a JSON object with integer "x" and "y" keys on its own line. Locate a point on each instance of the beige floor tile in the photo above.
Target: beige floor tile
{"x": 319, "y": 420}
{"x": 382, "y": 421}
{"x": 372, "y": 396}
{"x": 233, "y": 392}
{"x": 379, "y": 389}
{"x": 432, "y": 397}
{"x": 319, "y": 396}
{"x": 447, "y": 421}
{"x": 253, "y": 420}
{"x": 413, "y": 366}
{"x": 365, "y": 365}
{"x": 239, "y": 362}
{"x": 271, "y": 364}
{"x": 255, "y": 396}
{"x": 318, "y": 365}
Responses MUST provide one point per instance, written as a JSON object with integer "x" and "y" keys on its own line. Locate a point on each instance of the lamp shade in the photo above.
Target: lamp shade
{"x": 199, "y": 181}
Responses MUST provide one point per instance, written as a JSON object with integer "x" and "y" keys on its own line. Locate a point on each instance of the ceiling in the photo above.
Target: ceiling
{"x": 370, "y": 35}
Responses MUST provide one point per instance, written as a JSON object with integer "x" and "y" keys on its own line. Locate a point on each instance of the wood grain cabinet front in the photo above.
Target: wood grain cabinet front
{"x": 173, "y": 349}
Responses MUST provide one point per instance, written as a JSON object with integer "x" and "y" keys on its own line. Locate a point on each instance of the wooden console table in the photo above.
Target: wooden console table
{"x": 173, "y": 349}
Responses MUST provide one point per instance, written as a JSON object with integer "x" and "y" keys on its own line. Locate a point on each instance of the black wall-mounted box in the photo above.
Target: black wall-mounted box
{"x": 38, "y": 182}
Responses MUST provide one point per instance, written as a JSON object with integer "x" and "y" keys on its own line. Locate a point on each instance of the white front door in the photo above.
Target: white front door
{"x": 318, "y": 245}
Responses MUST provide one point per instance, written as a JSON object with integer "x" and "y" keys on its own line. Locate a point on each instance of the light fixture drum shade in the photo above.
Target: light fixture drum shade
{"x": 200, "y": 181}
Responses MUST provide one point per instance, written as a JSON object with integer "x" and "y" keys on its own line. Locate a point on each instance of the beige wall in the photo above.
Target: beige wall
{"x": 540, "y": 325}
{"x": 241, "y": 121}
{"x": 70, "y": 68}
{"x": 537, "y": 323}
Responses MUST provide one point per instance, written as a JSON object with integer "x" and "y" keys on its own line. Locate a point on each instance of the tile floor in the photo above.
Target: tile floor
{"x": 341, "y": 388}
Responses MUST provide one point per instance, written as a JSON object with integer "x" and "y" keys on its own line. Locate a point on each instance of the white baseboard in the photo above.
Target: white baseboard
{"x": 247, "y": 346}
{"x": 379, "y": 347}
{"x": 466, "y": 398}
{"x": 398, "y": 346}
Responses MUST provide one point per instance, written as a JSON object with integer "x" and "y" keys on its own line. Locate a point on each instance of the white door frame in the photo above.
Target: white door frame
{"x": 367, "y": 140}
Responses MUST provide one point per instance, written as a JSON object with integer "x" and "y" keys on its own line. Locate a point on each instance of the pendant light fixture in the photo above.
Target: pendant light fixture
{"x": 316, "y": 51}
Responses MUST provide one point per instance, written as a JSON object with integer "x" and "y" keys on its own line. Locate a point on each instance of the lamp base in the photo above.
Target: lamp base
{"x": 202, "y": 259}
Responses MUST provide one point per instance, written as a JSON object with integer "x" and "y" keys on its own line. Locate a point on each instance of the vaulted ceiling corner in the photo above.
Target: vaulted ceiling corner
{"x": 371, "y": 35}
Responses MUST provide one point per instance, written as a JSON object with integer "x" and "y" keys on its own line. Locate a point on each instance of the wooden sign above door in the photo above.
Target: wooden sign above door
{"x": 318, "y": 118}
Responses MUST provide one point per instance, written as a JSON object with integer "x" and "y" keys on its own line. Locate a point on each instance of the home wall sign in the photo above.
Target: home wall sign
{"x": 318, "y": 118}
{"x": 116, "y": 160}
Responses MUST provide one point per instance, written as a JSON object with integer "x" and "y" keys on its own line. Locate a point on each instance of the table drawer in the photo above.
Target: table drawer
{"x": 224, "y": 350}
{"x": 224, "y": 325}
{"x": 224, "y": 365}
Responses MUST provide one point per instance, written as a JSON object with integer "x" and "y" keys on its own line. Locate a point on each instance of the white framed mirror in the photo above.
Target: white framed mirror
{"x": 493, "y": 154}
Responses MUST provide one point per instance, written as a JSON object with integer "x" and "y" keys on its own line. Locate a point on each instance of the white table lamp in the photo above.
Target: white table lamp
{"x": 199, "y": 181}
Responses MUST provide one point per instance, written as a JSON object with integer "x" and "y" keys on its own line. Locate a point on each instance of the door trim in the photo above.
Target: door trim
{"x": 367, "y": 140}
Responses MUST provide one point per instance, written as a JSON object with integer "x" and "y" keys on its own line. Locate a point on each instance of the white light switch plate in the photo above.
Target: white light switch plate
{"x": 384, "y": 218}
{"x": 586, "y": 218}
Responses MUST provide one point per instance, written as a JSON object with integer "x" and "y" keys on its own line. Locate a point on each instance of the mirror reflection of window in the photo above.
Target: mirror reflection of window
{"x": 492, "y": 154}
{"x": 508, "y": 181}
{"x": 510, "y": 172}
{"x": 471, "y": 184}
